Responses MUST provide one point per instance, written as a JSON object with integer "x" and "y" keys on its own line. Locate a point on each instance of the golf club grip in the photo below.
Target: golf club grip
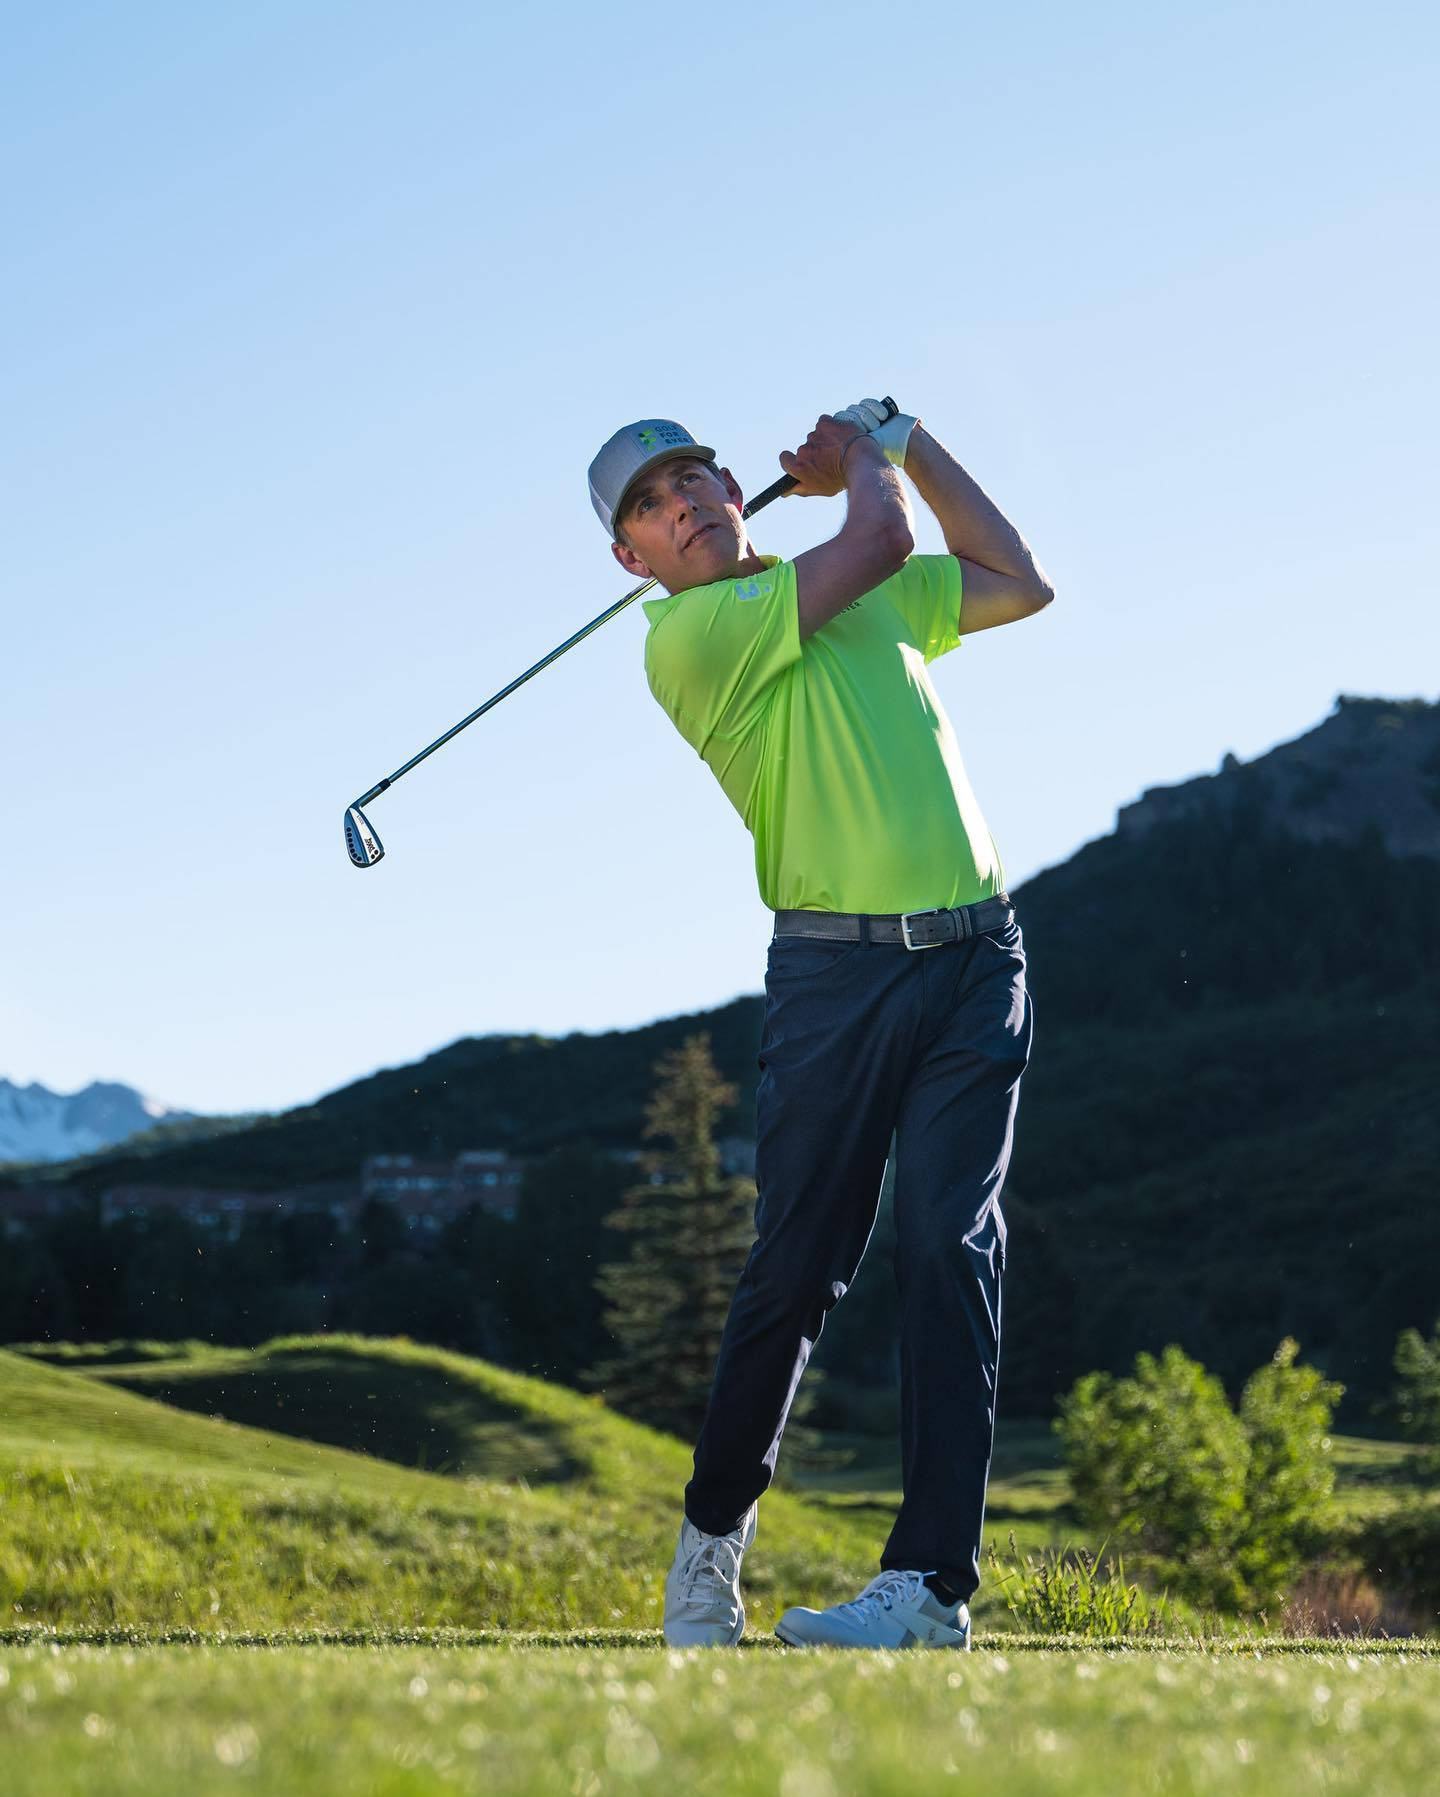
{"x": 773, "y": 491}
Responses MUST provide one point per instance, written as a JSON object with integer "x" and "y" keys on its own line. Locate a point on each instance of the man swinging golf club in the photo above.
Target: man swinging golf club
{"x": 895, "y": 995}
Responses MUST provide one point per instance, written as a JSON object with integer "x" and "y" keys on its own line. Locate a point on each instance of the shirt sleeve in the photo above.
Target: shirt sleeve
{"x": 927, "y": 593}
{"x": 713, "y": 660}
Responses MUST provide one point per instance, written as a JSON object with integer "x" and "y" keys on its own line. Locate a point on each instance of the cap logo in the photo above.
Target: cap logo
{"x": 654, "y": 435}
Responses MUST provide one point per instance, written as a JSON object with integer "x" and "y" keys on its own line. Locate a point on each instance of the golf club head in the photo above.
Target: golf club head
{"x": 364, "y": 845}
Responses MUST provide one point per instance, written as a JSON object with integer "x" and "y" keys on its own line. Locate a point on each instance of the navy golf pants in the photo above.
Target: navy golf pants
{"x": 861, "y": 1042}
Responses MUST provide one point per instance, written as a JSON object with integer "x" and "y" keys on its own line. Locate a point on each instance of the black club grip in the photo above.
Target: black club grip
{"x": 773, "y": 491}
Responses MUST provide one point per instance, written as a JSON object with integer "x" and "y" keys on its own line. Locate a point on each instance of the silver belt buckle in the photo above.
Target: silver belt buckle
{"x": 935, "y": 911}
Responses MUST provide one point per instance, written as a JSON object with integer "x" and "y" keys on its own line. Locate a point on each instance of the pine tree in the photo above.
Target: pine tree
{"x": 667, "y": 1304}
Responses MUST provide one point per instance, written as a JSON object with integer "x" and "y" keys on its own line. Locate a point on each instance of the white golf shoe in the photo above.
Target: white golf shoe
{"x": 897, "y": 1609}
{"x": 703, "y": 1607}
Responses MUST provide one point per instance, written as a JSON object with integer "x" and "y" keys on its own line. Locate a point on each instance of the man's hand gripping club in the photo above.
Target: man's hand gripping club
{"x": 843, "y": 454}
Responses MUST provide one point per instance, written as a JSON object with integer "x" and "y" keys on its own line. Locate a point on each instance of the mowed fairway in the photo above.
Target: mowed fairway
{"x": 191, "y": 1604}
{"x": 179, "y": 1720}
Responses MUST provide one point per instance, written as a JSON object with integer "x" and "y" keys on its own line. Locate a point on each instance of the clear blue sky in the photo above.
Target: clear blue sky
{"x": 314, "y": 314}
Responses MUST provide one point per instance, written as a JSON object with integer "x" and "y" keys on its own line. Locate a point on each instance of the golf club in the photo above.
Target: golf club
{"x": 364, "y": 846}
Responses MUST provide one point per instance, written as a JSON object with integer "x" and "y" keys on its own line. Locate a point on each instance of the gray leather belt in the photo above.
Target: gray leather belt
{"x": 916, "y": 929}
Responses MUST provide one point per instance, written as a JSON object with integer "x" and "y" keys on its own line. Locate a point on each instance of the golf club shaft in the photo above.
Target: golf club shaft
{"x": 774, "y": 491}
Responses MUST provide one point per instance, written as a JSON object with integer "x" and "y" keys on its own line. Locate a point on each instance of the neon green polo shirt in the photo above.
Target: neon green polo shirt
{"x": 836, "y": 751}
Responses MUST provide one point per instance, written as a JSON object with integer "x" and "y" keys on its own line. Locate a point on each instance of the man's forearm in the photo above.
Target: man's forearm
{"x": 973, "y": 527}
{"x": 873, "y": 543}
{"x": 875, "y": 498}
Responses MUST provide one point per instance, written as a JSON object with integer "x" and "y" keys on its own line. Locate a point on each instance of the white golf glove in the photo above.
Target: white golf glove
{"x": 892, "y": 434}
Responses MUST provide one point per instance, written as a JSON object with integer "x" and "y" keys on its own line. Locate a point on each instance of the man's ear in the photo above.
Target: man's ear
{"x": 630, "y": 562}
{"x": 732, "y": 488}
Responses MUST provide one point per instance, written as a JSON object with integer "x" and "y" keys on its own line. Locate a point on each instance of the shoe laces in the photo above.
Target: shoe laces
{"x": 881, "y": 1593}
{"x": 715, "y": 1560}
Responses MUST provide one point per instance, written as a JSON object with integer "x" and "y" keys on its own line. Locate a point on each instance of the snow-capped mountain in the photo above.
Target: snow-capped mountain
{"x": 37, "y": 1124}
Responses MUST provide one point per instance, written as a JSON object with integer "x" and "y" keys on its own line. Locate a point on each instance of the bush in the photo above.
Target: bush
{"x": 1221, "y": 1503}
{"x": 1160, "y": 1459}
{"x": 1285, "y": 1412}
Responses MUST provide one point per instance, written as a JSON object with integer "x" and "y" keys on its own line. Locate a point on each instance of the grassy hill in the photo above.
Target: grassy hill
{"x": 121, "y": 1509}
{"x": 347, "y": 1484}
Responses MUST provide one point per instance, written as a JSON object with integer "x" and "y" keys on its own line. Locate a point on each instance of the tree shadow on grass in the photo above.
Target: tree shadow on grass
{"x": 415, "y": 1416}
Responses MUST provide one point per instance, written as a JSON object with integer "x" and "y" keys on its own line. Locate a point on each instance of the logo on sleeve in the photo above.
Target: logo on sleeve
{"x": 757, "y": 587}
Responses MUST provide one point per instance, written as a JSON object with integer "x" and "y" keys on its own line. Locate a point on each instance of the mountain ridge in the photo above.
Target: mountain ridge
{"x": 1370, "y": 762}
{"x": 1228, "y": 1130}
{"x": 1196, "y": 850}
{"x": 38, "y": 1124}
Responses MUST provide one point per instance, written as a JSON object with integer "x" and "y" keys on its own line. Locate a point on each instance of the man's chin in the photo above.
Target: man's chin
{"x": 705, "y": 563}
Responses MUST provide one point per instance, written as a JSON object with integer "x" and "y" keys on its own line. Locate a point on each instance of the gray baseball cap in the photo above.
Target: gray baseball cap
{"x": 629, "y": 453}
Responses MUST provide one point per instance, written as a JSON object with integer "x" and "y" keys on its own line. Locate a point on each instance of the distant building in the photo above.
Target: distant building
{"x": 429, "y": 1193}
{"x": 223, "y": 1210}
{"x": 490, "y": 1178}
{"x": 404, "y": 1176}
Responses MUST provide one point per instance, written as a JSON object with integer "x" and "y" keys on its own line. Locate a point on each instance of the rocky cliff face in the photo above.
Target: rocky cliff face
{"x": 1373, "y": 763}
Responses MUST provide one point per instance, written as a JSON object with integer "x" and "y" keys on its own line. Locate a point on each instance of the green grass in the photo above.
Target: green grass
{"x": 124, "y": 1511}
{"x": 343, "y": 1565}
{"x": 406, "y": 1408}
{"x": 1372, "y": 1477}
{"x": 359, "y": 1486}
{"x": 407, "y": 1721}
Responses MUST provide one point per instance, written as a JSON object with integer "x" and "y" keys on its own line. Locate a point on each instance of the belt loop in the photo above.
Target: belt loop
{"x": 865, "y": 929}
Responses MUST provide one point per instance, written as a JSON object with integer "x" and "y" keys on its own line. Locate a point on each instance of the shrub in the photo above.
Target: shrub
{"x": 1160, "y": 1459}
{"x": 1221, "y": 1503}
{"x": 1285, "y": 1412}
